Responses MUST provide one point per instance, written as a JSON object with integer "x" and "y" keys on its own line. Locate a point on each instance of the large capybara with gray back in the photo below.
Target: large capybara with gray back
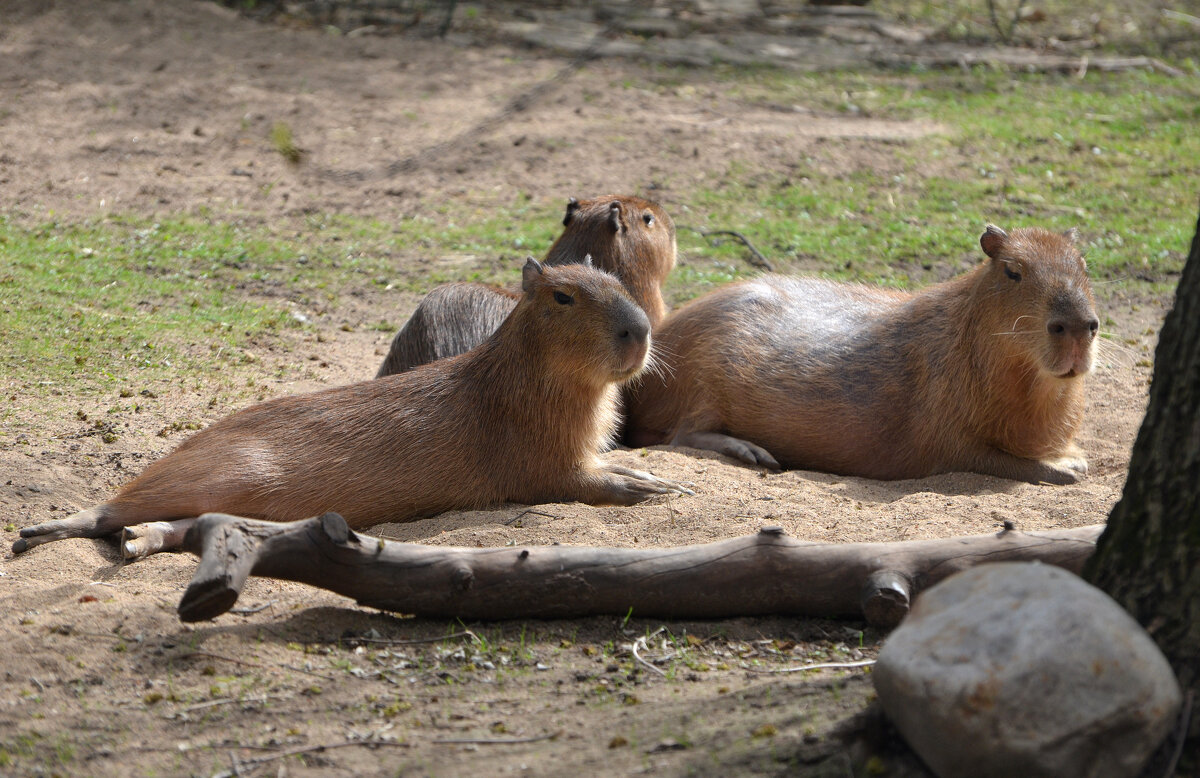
{"x": 984, "y": 372}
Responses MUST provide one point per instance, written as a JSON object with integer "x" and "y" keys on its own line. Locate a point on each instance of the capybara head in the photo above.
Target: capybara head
{"x": 630, "y": 237}
{"x": 586, "y": 323}
{"x": 1036, "y": 298}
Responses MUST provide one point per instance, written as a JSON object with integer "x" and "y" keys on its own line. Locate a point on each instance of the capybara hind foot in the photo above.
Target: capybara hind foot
{"x": 1060, "y": 472}
{"x": 624, "y": 486}
{"x": 735, "y": 448}
{"x": 142, "y": 540}
{"x": 89, "y": 523}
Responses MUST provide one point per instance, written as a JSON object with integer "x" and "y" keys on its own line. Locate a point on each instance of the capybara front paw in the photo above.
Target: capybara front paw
{"x": 1078, "y": 464}
{"x": 1065, "y": 471}
{"x": 752, "y": 454}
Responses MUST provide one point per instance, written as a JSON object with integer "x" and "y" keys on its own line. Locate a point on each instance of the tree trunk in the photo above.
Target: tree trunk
{"x": 1148, "y": 558}
{"x": 754, "y": 575}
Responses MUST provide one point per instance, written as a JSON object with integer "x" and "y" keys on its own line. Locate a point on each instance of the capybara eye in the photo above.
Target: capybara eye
{"x": 648, "y": 218}
{"x": 562, "y": 298}
{"x": 1014, "y": 275}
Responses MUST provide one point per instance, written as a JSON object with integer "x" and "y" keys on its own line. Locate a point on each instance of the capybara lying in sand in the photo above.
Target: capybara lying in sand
{"x": 518, "y": 419}
{"x": 982, "y": 373}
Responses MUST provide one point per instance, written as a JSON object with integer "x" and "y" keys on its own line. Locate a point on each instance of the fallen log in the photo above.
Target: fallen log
{"x": 754, "y": 575}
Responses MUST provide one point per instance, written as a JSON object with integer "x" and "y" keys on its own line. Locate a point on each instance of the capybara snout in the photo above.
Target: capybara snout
{"x": 1071, "y": 327}
{"x": 631, "y": 330}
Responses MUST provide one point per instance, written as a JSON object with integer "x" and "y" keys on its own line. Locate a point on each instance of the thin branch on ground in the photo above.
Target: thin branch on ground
{"x": 644, "y": 641}
{"x": 495, "y": 741}
{"x": 528, "y": 511}
{"x": 192, "y": 654}
{"x": 255, "y": 609}
{"x": 1181, "y": 17}
{"x": 757, "y": 259}
{"x": 822, "y": 666}
{"x": 400, "y": 641}
{"x": 257, "y": 761}
{"x": 227, "y": 700}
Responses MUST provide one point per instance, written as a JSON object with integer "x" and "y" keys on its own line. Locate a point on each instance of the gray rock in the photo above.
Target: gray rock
{"x": 1022, "y": 669}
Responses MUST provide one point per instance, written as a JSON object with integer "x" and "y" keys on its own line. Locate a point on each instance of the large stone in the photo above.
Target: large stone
{"x": 1021, "y": 669}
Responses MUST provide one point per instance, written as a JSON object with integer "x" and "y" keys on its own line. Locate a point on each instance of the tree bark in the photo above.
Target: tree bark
{"x": 766, "y": 573}
{"x": 1148, "y": 558}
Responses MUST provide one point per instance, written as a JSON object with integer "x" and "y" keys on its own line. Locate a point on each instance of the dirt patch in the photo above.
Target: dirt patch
{"x": 128, "y": 125}
{"x": 149, "y": 108}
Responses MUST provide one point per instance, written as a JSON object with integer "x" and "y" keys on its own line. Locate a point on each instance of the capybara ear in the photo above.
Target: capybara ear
{"x": 530, "y": 273}
{"x": 572, "y": 207}
{"x": 587, "y": 260}
{"x": 1072, "y": 235}
{"x": 614, "y": 217}
{"x": 992, "y": 240}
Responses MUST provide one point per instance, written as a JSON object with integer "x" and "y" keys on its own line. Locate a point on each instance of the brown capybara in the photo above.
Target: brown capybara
{"x": 518, "y": 419}
{"x": 983, "y": 373}
{"x": 632, "y": 238}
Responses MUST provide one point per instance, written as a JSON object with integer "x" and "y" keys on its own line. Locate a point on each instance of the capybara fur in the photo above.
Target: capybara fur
{"x": 518, "y": 419}
{"x": 983, "y": 373}
{"x": 632, "y": 238}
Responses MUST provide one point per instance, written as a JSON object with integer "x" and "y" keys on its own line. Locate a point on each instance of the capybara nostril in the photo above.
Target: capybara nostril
{"x": 636, "y": 332}
{"x": 1084, "y": 329}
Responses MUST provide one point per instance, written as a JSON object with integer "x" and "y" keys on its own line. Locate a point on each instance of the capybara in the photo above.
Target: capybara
{"x": 983, "y": 373}
{"x": 518, "y": 419}
{"x": 632, "y": 238}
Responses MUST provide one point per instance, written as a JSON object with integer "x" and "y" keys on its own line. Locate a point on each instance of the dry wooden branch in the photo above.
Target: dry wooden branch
{"x": 239, "y": 765}
{"x": 757, "y": 259}
{"x": 492, "y": 741}
{"x": 760, "y": 574}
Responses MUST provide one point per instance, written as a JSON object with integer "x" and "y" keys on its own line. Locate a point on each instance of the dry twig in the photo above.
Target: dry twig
{"x": 644, "y": 641}
{"x": 496, "y": 741}
{"x": 757, "y": 259}
{"x": 192, "y": 654}
{"x": 261, "y": 760}
{"x": 822, "y": 666}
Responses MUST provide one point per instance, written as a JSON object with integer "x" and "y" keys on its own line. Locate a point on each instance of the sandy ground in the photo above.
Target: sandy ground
{"x": 144, "y": 108}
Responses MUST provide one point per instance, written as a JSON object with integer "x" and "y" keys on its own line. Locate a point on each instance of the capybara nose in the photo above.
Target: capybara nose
{"x": 1081, "y": 329}
{"x": 636, "y": 329}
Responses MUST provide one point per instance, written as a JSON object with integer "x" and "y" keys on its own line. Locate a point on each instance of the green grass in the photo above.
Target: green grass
{"x": 108, "y": 302}
{"x": 1117, "y": 156}
{"x": 128, "y": 301}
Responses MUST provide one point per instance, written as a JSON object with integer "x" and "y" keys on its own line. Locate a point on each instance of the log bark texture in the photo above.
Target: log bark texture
{"x": 765, "y": 573}
{"x": 1149, "y": 556}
